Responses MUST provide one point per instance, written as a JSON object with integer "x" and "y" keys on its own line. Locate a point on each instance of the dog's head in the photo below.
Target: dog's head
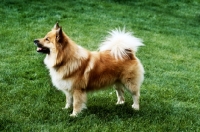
{"x": 51, "y": 42}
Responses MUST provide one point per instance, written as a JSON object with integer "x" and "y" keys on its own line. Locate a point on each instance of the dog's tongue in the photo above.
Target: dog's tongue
{"x": 38, "y": 49}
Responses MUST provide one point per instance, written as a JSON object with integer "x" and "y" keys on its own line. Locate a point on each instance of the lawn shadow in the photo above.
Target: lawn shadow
{"x": 108, "y": 111}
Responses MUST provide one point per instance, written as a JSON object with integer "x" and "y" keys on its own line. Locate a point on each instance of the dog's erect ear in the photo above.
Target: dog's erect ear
{"x": 59, "y": 35}
{"x": 56, "y": 26}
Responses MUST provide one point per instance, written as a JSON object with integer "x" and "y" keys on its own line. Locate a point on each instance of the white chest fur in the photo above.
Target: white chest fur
{"x": 59, "y": 82}
{"x": 57, "y": 77}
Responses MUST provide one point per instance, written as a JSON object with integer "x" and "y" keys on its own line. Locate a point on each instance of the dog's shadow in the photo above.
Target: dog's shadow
{"x": 107, "y": 110}
{"x": 121, "y": 111}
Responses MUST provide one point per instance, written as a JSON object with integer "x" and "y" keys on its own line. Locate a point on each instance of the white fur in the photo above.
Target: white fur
{"x": 118, "y": 41}
{"x": 50, "y": 60}
{"x": 82, "y": 52}
{"x": 69, "y": 100}
{"x": 57, "y": 77}
{"x": 59, "y": 82}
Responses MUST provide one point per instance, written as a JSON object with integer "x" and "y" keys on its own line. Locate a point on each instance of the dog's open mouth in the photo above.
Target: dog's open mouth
{"x": 43, "y": 50}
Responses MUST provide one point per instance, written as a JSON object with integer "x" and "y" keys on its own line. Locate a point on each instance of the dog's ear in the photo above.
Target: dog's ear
{"x": 56, "y": 26}
{"x": 59, "y": 35}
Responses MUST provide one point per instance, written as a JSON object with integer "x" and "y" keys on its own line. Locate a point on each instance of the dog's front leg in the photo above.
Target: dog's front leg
{"x": 69, "y": 99}
{"x": 79, "y": 102}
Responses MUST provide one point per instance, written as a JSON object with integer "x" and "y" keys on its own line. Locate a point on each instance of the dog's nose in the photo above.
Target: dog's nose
{"x": 36, "y": 41}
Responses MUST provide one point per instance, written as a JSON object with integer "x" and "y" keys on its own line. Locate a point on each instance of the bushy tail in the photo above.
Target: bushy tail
{"x": 121, "y": 44}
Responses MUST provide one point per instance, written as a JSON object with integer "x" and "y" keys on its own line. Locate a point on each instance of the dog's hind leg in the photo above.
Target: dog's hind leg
{"x": 120, "y": 93}
{"x": 133, "y": 83}
{"x": 69, "y": 99}
{"x": 136, "y": 97}
{"x": 79, "y": 102}
{"x": 135, "y": 91}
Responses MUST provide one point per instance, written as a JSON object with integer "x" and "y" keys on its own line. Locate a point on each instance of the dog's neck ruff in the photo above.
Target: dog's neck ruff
{"x": 72, "y": 64}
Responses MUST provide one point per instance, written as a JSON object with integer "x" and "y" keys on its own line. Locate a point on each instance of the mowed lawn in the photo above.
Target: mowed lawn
{"x": 170, "y": 94}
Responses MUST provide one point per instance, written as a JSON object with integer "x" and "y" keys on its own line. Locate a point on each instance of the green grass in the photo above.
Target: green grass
{"x": 169, "y": 95}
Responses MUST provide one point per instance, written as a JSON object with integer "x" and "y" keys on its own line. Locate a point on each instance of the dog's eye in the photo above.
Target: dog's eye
{"x": 47, "y": 39}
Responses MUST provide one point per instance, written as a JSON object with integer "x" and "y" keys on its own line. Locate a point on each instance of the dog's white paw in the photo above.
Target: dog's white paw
{"x": 135, "y": 107}
{"x": 73, "y": 114}
{"x": 120, "y": 102}
{"x": 67, "y": 106}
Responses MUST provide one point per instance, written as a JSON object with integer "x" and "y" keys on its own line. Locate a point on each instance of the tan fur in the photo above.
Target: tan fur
{"x": 75, "y": 70}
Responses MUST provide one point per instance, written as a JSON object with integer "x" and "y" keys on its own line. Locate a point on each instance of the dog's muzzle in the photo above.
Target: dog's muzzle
{"x": 41, "y": 48}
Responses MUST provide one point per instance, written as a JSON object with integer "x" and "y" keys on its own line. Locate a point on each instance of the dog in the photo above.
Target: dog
{"x": 76, "y": 70}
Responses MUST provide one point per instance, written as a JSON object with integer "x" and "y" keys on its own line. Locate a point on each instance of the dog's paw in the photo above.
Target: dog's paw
{"x": 135, "y": 107}
{"x": 73, "y": 115}
{"x": 120, "y": 102}
{"x": 66, "y": 107}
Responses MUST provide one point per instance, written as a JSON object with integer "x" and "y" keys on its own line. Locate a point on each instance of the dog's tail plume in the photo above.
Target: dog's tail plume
{"x": 121, "y": 44}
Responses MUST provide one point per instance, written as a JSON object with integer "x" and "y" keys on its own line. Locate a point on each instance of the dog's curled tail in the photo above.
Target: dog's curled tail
{"x": 121, "y": 44}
